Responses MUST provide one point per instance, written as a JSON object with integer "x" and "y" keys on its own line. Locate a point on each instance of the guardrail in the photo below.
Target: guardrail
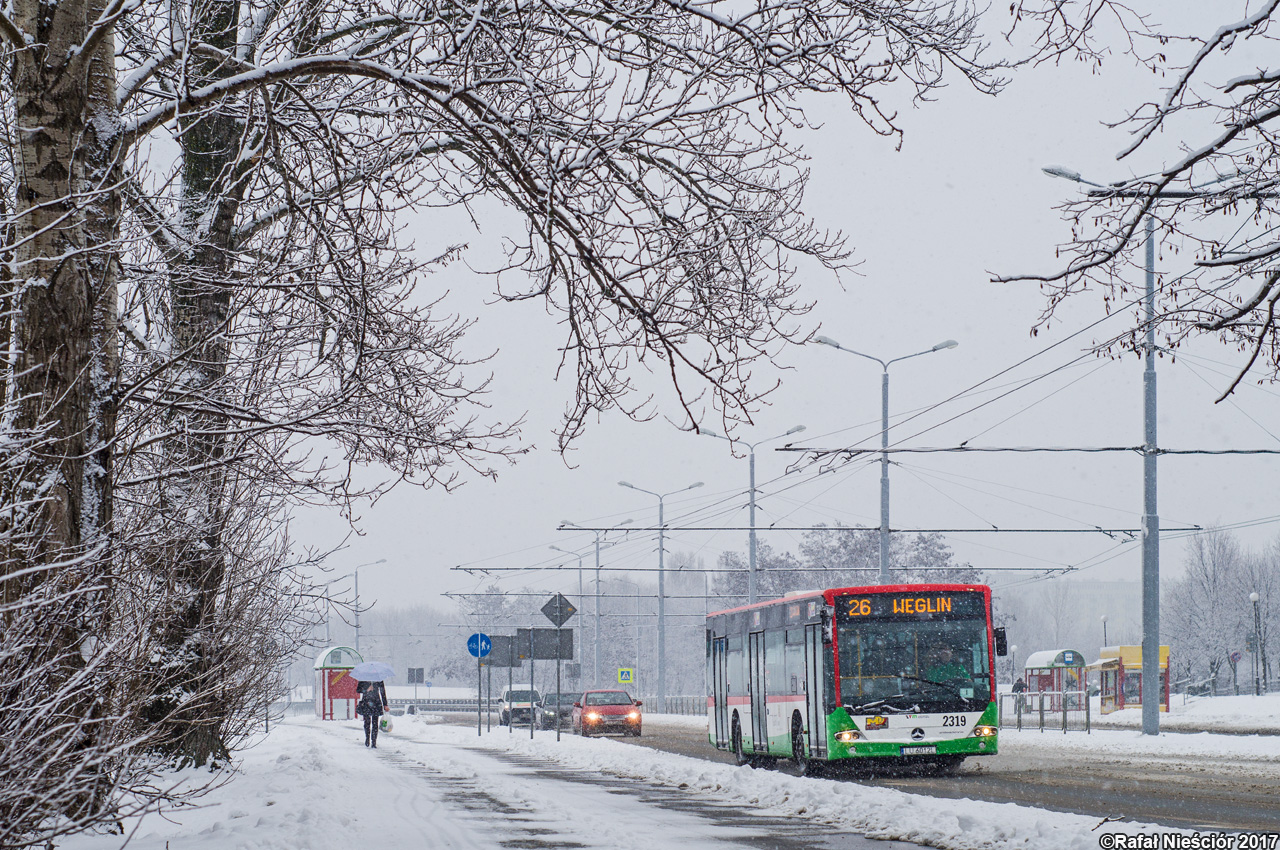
{"x": 688, "y": 705}
{"x": 454, "y": 704}
{"x": 681, "y": 704}
{"x": 1051, "y": 710}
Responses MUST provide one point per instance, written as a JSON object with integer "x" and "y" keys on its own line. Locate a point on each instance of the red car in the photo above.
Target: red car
{"x": 598, "y": 712}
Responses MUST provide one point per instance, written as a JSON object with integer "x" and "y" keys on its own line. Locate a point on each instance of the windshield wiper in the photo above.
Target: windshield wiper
{"x": 936, "y": 685}
{"x": 859, "y": 709}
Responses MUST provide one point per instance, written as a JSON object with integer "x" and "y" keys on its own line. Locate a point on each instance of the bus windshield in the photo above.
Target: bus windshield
{"x": 905, "y": 661}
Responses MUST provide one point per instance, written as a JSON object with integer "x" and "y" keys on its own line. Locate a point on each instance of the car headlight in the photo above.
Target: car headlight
{"x": 984, "y": 731}
{"x": 847, "y": 735}
{"x": 591, "y": 715}
{"x": 635, "y": 715}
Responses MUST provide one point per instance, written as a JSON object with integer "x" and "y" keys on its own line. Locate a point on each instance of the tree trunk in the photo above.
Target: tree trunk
{"x": 60, "y": 410}
{"x": 188, "y": 704}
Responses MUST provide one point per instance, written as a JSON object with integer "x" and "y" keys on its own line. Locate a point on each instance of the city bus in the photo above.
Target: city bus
{"x": 892, "y": 673}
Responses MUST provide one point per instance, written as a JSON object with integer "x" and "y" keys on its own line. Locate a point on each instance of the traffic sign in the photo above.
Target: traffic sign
{"x": 428, "y": 684}
{"x": 479, "y": 644}
{"x": 1236, "y": 656}
{"x": 626, "y": 675}
{"x": 559, "y": 610}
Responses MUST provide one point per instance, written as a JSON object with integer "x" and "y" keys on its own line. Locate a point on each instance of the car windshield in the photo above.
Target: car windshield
{"x": 522, "y": 696}
{"x": 609, "y": 698}
{"x": 563, "y": 699}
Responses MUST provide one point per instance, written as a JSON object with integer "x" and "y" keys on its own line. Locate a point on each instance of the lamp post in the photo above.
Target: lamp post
{"x": 356, "y": 573}
{"x": 751, "y": 569}
{"x": 884, "y": 436}
{"x": 662, "y": 590}
{"x": 1013, "y": 663}
{"x": 1257, "y": 645}
{"x": 595, "y": 663}
{"x": 327, "y": 640}
{"x": 1104, "y": 630}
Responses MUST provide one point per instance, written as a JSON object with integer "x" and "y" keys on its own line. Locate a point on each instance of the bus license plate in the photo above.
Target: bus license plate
{"x": 919, "y": 751}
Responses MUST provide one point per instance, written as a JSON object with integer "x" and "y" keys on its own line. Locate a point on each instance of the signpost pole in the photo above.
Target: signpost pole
{"x": 557, "y": 683}
{"x": 531, "y": 687}
{"x": 489, "y": 714}
{"x": 478, "y": 645}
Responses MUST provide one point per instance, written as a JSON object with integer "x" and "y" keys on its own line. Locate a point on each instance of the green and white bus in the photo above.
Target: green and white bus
{"x": 899, "y": 673}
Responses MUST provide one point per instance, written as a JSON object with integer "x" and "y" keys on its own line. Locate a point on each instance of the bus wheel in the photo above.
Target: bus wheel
{"x": 805, "y": 765}
{"x": 739, "y": 757}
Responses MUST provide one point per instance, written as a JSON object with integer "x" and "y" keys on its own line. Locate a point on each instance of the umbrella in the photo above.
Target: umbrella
{"x": 372, "y": 671}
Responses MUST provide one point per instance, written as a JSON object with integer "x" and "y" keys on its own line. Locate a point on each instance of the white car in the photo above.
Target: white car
{"x": 518, "y": 706}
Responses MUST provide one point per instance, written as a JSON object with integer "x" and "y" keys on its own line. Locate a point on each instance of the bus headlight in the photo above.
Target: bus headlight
{"x": 984, "y": 731}
{"x": 848, "y": 735}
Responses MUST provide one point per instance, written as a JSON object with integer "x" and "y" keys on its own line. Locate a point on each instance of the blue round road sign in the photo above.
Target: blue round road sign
{"x": 479, "y": 644}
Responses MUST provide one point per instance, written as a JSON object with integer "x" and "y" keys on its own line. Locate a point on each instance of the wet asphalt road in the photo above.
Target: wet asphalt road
{"x": 1205, "y": 793}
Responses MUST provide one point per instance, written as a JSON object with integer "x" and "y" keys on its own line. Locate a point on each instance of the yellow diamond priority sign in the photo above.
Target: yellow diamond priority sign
{"x": 558, "y": 610}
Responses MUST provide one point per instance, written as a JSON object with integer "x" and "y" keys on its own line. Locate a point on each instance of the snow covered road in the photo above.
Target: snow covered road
{"x": 311, "y": 785}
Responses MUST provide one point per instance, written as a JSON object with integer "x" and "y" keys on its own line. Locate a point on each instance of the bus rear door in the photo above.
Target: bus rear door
{"x": 759, "y": 707}
{"x": 720, "y": 691}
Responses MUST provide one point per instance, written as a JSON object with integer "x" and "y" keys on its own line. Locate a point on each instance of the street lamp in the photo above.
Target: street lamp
{"x": 751, "y": 570}
{"x": 662, "y": 590}
{"x": 1104, "y": 630}
{"x": 595, "y": 664}
{"x": 1013, "y": 663}
{"x": 1257, "y": 645}
{"x": 884, "y": 437}
{"x": 356, "y": 573}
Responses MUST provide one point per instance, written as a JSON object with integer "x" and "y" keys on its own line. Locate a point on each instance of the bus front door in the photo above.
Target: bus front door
{"x": 720, "y": 692}
{"x": 759, "y": 707}
{"x": 814, "y": 672}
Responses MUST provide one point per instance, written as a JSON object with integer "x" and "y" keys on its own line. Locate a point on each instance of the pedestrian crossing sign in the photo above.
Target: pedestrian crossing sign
{"x": 626, "y": 675}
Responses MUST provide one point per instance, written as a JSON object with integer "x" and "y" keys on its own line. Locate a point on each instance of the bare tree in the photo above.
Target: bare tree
{"x": 1214, "y": 198}
{"x": 204, "y": 272}
{"x": 1207, "y": 614}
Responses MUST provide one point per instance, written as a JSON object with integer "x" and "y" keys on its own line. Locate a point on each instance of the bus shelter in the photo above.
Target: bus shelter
{"x": 335, "y": 689}
{"x": 1057, "y": 674}
{"x": 1120, "y": 674}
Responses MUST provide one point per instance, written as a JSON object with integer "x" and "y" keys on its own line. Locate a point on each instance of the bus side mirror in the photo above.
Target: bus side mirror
{"x": 1002, "y": 643}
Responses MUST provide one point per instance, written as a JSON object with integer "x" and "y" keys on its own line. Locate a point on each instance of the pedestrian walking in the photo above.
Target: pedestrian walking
{"x": 1020, "y": 701}
{"x": 371, "y": 705}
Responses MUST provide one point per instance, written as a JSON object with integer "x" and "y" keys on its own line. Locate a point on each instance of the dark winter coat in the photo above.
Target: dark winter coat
{"x": 373, "y": 697}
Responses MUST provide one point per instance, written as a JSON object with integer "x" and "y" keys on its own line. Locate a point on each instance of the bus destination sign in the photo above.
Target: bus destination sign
{"x": 924, "y": 604}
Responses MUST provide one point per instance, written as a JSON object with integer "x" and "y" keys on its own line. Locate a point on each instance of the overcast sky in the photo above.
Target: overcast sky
{"x": 964, "y": 198}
